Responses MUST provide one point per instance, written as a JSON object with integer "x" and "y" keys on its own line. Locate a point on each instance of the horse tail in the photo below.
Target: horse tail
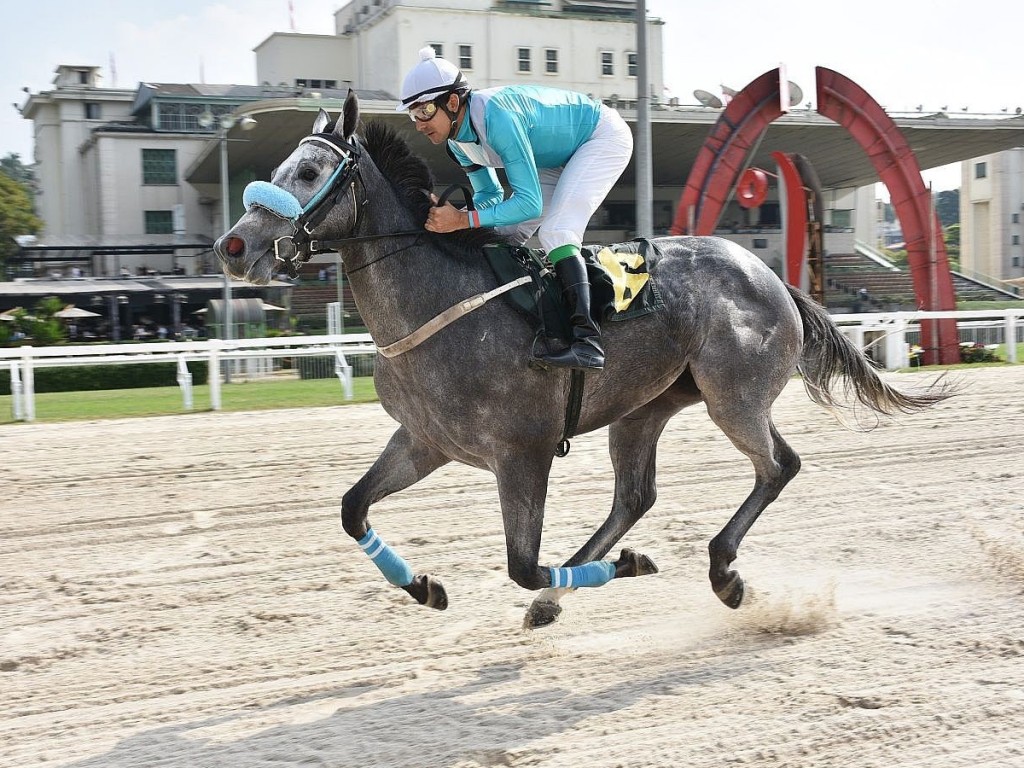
{"x": 829, "y": 358}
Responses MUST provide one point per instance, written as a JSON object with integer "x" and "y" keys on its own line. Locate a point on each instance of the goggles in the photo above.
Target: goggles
{"x": 423, "y": 112}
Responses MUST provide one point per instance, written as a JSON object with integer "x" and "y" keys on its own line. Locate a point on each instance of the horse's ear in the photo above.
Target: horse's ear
{"x": 322, "y": 119}
{"x": 350, "y": 117}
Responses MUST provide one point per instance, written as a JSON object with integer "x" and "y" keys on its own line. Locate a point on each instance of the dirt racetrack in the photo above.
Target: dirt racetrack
{"x": 177, "y": 592}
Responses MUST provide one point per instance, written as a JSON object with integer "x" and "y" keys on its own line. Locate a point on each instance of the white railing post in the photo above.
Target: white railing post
{"x": 214, "y": 373}
{"x": 1010, "y": 336}
{"x": 28, "y": 387}
{"x": 344, "y": 372}
{"x": 856, "y": 335}
{"x": 17, "y": 412}
{"x": 897, "y": 353}
{"x": 185, "y": 382}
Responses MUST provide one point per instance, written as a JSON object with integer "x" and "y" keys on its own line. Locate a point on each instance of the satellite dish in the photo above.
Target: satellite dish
{"x": 796, "y": 94}
{"x": 708, "y": 99}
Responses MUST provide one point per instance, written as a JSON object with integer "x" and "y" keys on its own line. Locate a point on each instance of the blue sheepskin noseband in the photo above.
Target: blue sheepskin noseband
{"x": 278, "y": 201}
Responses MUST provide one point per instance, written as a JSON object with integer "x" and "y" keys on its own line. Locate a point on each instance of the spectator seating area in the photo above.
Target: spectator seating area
{"x": 846, "y": 274}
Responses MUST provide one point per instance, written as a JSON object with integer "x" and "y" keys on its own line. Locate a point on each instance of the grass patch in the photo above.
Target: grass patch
{"x": 1000, "y": 351}
{"x": 162, "y": 401}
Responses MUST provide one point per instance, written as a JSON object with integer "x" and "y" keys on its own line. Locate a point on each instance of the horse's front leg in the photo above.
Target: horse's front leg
{"x": 404, "y": 462}
{"x": 633, "y": 443}
{"x": 522, "y": 489}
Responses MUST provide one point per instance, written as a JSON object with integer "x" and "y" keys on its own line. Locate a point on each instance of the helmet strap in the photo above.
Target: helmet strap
{"x": 453, "y": 116}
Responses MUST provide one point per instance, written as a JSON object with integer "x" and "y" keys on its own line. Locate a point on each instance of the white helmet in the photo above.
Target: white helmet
{"x": 431, "y": 78}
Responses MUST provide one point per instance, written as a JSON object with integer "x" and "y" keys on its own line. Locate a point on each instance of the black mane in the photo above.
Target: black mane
{"x": 411, "y": 179}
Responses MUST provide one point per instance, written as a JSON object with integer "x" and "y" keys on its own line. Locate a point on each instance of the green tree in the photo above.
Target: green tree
{"x": 16, "y": 216}
{"x": 951, "y": 236}
{"x": 947, "y": 206}
{"x": 12, "y": 166}
{"x": 39, "y": 327}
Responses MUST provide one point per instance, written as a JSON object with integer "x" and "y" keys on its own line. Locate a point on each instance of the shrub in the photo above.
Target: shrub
{"x": 976, "y": 352}
{"x": 91, "y": 377}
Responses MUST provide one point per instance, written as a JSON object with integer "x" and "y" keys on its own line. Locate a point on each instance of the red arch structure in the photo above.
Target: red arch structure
{"x": 739, "y": 129}
{"x": 842, "y": 100}
{"x": 724, "y": 155}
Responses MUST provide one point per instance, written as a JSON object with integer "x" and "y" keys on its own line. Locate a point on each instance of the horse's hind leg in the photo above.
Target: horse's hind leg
{"x": 403, "y": 462}
{"x": 633, "y": 442}
{"x": 745, "y": 419}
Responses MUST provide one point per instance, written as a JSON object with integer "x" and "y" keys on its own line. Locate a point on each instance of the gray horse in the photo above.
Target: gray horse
{"x": 456, "y": 377}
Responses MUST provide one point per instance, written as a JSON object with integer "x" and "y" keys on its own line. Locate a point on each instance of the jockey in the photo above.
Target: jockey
{"x": 561, "y": 151}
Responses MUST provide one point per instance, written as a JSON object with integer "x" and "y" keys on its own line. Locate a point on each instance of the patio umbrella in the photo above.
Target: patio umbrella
{"x": 71, "y": 311}
{"x": 8, "y": 316}
{"x": 273, "y": 308}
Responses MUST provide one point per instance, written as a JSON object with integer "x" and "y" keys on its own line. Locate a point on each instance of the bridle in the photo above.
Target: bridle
{"x": 294, "y": 250}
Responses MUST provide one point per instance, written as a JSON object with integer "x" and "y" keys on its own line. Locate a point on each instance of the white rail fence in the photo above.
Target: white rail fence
{"x": 885, "y": 336}
{"x": 239, "y": 359}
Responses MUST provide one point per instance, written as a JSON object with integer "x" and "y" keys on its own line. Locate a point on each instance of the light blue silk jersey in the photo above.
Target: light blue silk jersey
{"x": 520, "y": 128}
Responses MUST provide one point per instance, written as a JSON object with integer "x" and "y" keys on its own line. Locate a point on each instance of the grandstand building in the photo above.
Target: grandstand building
{"x": 130, "y": 179}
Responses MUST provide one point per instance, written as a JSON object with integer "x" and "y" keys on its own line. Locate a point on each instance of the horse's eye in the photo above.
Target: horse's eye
{"x": 308, "y": 174}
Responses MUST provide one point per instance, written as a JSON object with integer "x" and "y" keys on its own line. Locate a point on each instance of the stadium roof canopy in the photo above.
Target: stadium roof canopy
{"x": 677, "y": 134}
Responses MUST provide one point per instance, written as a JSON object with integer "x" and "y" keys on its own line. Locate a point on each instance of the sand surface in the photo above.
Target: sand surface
{"x": 177, "y": 592}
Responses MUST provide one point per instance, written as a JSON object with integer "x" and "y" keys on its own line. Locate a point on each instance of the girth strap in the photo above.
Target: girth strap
{"x": 572, "y": 412}
{"x": 446, "y": 318}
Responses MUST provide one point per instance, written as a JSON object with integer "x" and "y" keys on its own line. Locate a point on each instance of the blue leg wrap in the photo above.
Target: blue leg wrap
{"x": 595, "y": 574}
{"x": 394, "y": 568}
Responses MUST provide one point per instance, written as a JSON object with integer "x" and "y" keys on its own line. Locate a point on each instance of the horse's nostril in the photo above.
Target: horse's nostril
{"x": 234, "y": 246}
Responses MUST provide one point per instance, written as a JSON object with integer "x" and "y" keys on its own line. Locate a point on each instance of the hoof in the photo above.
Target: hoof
{"x": 540, "y": 614}
{"x": 428, "y": 591}
{"x": 632, "y": 563}
{"x": 731, "y": 592}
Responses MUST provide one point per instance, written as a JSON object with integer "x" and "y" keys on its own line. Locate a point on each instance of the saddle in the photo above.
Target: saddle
{"x": 621, "y": 288}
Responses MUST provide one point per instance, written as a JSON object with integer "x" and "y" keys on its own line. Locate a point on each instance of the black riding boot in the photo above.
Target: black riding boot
{"x": 586, "y": 351}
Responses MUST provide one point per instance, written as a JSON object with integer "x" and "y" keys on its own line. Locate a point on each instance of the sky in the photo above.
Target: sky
{"x": 952, "y": 53}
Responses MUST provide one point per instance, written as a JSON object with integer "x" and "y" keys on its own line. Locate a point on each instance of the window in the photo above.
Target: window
{"x": 92, "y": 111}
{"x": 159, "y": 166}
{"x": 438, "y": 49}
{"x": 184, "y": 116}
{"x": 760, "y": 243}
{"x": 1015, "y": 240}
{"x": 523, "y": 57}
{"x": 551, "y": 61}
{"x": 300, "y": 82}
{"x": 330, "y": 84}
{"x": 841, "y": 217}
{"x": 1015, "y": 218}
{"x": 631, "y": 64}
{"x": 1016, "y": 261}
{"x": 607, "y": 66}
{"x": 980, "y": 170}
{"x": 159, "y": 222}
{"x": 465, "y": 57}
{"x": 316, "y": 84}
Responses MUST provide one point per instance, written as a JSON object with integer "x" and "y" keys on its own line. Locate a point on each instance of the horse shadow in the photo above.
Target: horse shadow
{"x": 419, "y": 730}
